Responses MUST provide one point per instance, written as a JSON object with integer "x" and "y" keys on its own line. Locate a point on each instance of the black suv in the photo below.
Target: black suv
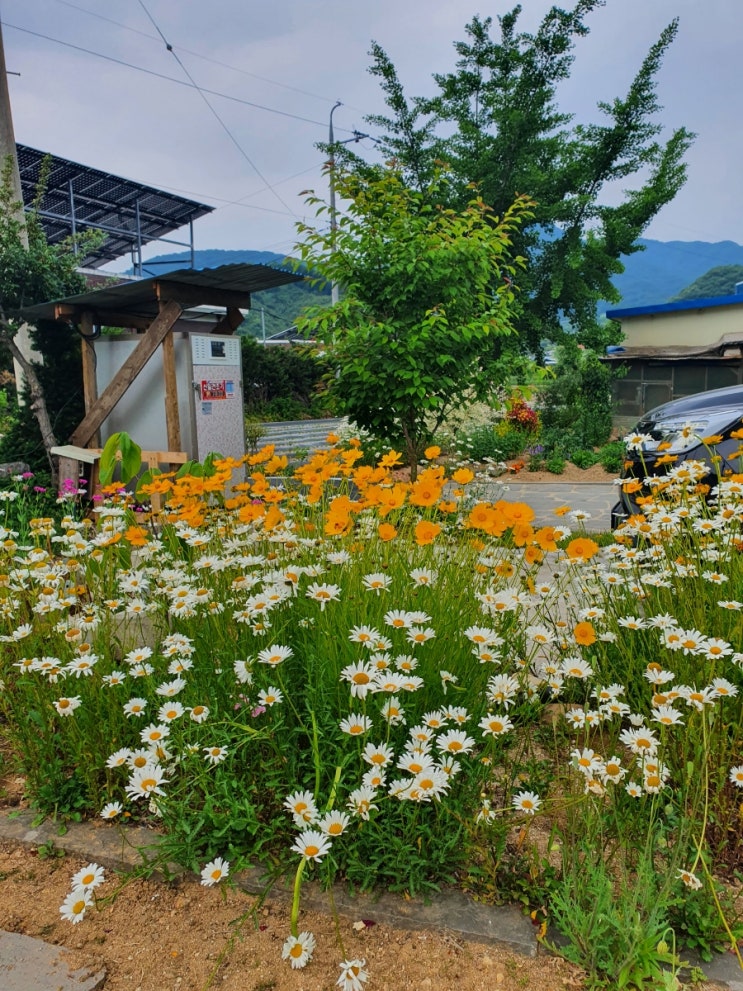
{"x": 680, "y": 426}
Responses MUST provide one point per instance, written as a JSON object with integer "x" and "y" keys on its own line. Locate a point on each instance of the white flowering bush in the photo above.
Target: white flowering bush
{"x": 394, "y": 683}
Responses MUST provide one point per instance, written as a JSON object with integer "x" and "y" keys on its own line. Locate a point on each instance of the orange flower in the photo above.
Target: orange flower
{"x": 447, "y": 507}
{"x": 265, "y": 454}
{"x": 582, "y": 548}
{"x": 136, "y": 535}
{"x": 424, "y": 493}
{"x": 584, "y": 634}
{"x": 277, "y": 463}
{"x": 426, "y": 532}
{"x": 481, "y": 516}
{"x": 505, "y": 569}
{"x": 251, "y": 512}
{"x": 432, "y": 452}
{"x": 522, "y": 534}
{"x": 562, "y": 510}
{"x": 332, "y": 439}
{"x": 462, "y": 476}
{"x": 386, "y": 531}
{"x": 337, "y": 523}
{"x": 390, "y": 459}
{"x": 515, "y": 512}
{"x": 546, "y": 538}
{"x": 533, "y": 555}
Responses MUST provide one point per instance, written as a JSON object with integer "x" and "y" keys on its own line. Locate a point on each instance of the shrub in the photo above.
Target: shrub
{"x": 584, "y": 459}
{"x": 577, "y": 405}
{"x": 555, "y": 463}
{"x": 283, "y": 383}
{"x": 612, "y": 456}
{"x": 498, "y": 443}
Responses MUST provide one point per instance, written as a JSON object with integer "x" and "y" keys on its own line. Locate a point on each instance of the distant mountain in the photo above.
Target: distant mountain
{"x": 273, "y": 310}
{"x": 664, "y": 268}
{"x": 719, "y": 281}
{"x": 656, "y": 274}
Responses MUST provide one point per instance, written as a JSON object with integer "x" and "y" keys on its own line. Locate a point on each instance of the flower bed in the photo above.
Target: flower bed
{"x": 399, "y": 686}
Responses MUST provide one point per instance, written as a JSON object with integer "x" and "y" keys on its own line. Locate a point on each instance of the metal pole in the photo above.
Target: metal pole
{"x": 193, "y": 253}
{"x": 333, "y": 211}
{"x": 263, "y": 324}
{"x": 73, "y": 219}
{"x": 138, "y": 266}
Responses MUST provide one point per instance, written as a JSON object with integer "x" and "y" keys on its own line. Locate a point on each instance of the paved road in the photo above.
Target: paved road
{"x": 546, "y": 497}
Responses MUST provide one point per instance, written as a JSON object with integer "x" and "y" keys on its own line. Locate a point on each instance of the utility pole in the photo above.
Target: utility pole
{"x": 7, "y": 137}
{"x": 333, "y": 211}
{"x": 8, "y": 151}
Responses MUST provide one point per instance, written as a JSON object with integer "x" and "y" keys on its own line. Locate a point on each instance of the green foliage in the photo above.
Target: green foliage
{"x": 499, "y": 442}
{"x": 555, "y": 464}
{"x": 120, "y": 452}
{"x": 616, "y": 930}
{"x": 283, "y": 382}
{"x": 34, "y": 274}
{"x": 576, "y": 404}
{"x": 584, "y": 459}
{"x": 416, "y": 332}
{"x": 496, "y": 121}
{"x": 696, "y": 919}
{"x": 718, "y": 281}
{"x": 612, "y": 456}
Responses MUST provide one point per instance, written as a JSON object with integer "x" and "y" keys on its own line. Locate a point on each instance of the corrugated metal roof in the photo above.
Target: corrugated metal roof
{"x": 708, "y": 303}
{"x": 727, "y": 347}
{"x": 139, "y": 298}
{"x": 81, "y": 198}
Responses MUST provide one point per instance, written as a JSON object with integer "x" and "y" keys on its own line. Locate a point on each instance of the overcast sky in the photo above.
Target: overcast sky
{"x": 295, "y": 58}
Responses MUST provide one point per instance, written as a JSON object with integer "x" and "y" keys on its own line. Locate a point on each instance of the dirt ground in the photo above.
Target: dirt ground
{"x": 571, "y": 475}
{"x": 184, "y": 937}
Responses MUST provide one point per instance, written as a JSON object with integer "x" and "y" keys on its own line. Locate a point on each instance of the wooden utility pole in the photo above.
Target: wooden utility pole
{"x": 7, "y": 137}
{"x": 8, "y": 151}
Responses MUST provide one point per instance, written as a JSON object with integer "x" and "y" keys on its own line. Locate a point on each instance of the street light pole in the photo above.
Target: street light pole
{"x": 333, "y": 211}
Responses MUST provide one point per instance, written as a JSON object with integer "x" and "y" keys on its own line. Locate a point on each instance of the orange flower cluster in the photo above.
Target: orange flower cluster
{"x": 263, "y": 499}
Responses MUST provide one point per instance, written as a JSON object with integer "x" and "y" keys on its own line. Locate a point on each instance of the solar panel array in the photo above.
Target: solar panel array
{"x": 76, "y": 198}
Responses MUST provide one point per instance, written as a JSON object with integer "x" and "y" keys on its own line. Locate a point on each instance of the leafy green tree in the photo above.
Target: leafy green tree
{"x": 413, "y": 335}
{"x": 718, "y": 281}
{"x": 33, "y": 271}
{"x": 283, "y": 381}
{"x": 495, "y": 120}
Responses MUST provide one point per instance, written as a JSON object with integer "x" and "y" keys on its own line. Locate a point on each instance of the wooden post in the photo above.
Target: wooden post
{"x": 172, "y": 419}
{"x": 90, "y": 386}
{"x": 150, "y": 342}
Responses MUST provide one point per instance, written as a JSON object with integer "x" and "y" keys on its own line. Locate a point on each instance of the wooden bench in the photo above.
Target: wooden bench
{"x": 71, "y": 458}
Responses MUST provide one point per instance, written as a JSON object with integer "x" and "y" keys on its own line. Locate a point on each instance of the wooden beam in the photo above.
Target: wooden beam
{"x": 104, "y": 318}
{"x": 159, "y": 328}
{"x": 190, "y": 295}
{"x": 229, "y": 322}
{"x": 90, "y": 386}
{"x": 172, "y": 419}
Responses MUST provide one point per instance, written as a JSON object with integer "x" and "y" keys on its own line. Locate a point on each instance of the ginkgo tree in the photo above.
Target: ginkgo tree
{"x": 428, "y": 296}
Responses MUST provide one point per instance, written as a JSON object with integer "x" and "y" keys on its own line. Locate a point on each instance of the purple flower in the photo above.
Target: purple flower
{"x": 26, "y": 475}
{"x": 39, "y": 488}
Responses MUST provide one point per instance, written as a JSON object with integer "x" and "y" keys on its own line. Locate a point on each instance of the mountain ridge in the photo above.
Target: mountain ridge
{"x": 655, "y": 274}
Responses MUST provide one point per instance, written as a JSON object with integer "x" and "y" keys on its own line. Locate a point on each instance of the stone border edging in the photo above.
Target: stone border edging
{"x": 125, "y": 848}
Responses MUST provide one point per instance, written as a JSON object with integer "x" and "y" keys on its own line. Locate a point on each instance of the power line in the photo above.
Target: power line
{"x": 213, "y": 110}
{"x": 172, "y": 79}
{"x": 206, "y": 58}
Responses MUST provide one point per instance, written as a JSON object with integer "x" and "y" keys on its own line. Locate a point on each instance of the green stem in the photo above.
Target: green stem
{"x": 295, "y": 896}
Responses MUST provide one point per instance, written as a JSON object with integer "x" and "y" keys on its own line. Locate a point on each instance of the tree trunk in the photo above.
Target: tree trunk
{"x": 37, "y": 400}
